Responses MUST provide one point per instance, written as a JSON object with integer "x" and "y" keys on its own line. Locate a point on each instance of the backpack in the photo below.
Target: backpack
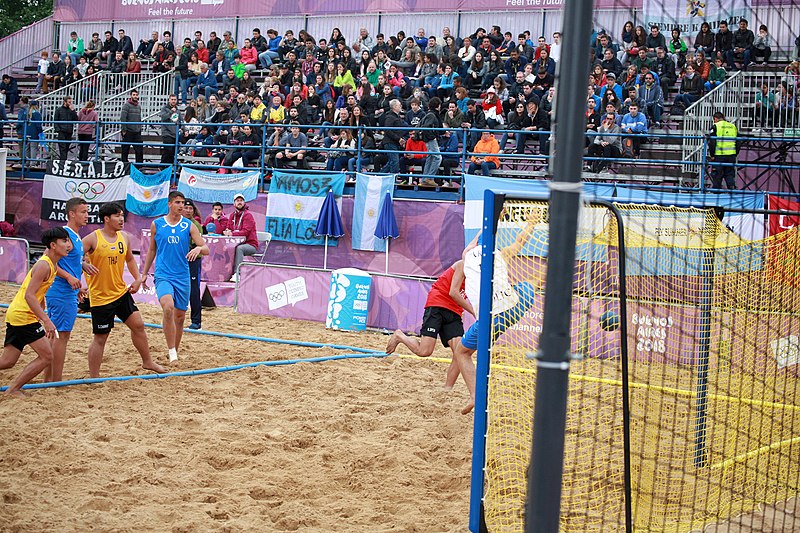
{"x": 627, "y": 148}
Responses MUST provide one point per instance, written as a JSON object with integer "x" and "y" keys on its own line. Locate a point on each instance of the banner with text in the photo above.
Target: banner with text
{"x": 688, "y": 15}
{"x": 97, "y": 182}
{"x": 294, "y": 202}
{"x": 210, "y": 187}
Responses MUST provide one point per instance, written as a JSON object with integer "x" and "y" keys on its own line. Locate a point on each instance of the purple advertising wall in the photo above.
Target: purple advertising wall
{"x": 431, "y": 234}
{"x": 86, "y": 10}
{"x": 13, "y": 259}
{"x": 394, "y": 302}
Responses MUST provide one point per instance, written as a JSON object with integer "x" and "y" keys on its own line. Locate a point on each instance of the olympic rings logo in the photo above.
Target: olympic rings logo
{"x": 88, "y": 191}
{"x": 276, "y": 296}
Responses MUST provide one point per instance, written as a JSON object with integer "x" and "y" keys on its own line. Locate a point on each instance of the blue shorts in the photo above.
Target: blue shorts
{"x": 180, "y": 292}
{"x": 63, "y": 311}
{"x": 502, "y": 321}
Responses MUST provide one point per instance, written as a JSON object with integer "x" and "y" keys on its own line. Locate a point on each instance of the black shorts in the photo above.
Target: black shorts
{"x": 103, "y": 315}
{"x": 21, "y": 336}
{"x": 442, "y": 323}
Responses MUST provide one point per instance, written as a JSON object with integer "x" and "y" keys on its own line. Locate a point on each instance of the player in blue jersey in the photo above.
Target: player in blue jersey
{"x": 63, "y": 296}
{"x": 170, "y": 237}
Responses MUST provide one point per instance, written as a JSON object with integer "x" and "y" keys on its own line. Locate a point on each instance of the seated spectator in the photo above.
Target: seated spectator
{"x": 274, "y": 115}
{"x": 453, "y": 117}
{"x": 295, "y": 151}
{"x": 635, "y": 125}
{"x": 610, "y": 63}
{"x": 493, "y": 109}
{"x": 743, "y": 39}
{"x": 474, "y": 121}
{"x": 643, "y": 58}
{"x": 93, "y": 48}
{"x": 275, "y": 146}
{"x": 665, "y": 68}
{"x": 217, "y": 217}
{"x": 451, "y": 155}
{"x": 760, "y": 51}
{"x": 516, "y": 117}
{"x": 701, "y": 66}
{"x": 631, "y": 98}
{"x": 704, "y": 40}
{"x": 342, "y": 151}
{"x": 678, "y": 47}
{"x": 56, "y": 70}
{"x": 630, "y": 78}
{"x": 716, "y": 75}
{"x": 133, "y": 66}
{"x": 359, "y": 162}
{"x": 485, "y": 163}
{"x": 787, "y": 106}
{"x": 545, "y": 62}
{"x": 242, "y": 224}
{"x": 535, "y": 122}
{"x": 767, "y": 105}
{"x": 10, "y": 91}
{"x": 147, "y": 48}
{"x": 607, "y": 144}
{"x": 651, "y": 99}
{"x": 249, "y": 56}
{"x": 414, "y": 114}
{"x": 592, "y": 120}
{"x": 163, "y": 59}
{"x": 206, "y": 83}
{"x": 476, "y": 71}
{"x": 655, "y": 39}
{"x": 414, "y": 144}
{"x": 544, "y": 80}
{"x": 446, "y": 85}
{"x": 691, "y": 89}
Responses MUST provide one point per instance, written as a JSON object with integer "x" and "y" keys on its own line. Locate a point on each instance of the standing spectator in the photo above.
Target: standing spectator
{"x": 65, "y": 118}
{"x": 183, "y": 75}
{"x": 722, "y": 149}
{"x": 760, "y": 51}
{"x": 486, "y": 163}
{"x": 88, "y": 118}
{"x": 635, "y": 125}
{"x": 743, "y": 40}
{"x": 607, "y": 144}
{"x": 55, "y": 72}
{"x": 41, "y": 72}
{"x": 393, "y": 137}
{"x": 10, "y": 91}
{"x": 169, "y": 118}
{"x": 131, "y": 118}
{"x": 75, "y": 47}
{"x": 430, "y": 121}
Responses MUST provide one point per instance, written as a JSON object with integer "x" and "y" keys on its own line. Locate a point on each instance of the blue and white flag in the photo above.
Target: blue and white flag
{"x": 370, "y": 191}
{"x": 209, "y": 187}
{"x": 295, "y": 201}
{"x": 147, "y": 193}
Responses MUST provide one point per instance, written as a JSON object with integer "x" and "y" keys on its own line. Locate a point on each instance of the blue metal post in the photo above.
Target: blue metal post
{"x": 23, "y": 146}
{"x": 97, "y": 141}
{"x": 358, "y": 151}
{"x": 704, "y": 162}
{"x": 490, "y": 200}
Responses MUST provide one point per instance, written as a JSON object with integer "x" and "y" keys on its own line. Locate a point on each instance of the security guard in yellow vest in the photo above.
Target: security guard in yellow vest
{"x": 722, "y": 149}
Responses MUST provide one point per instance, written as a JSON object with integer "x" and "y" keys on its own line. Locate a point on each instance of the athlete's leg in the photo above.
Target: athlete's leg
{"x": 179, "y": 317}
{"x": 463, "y": 356}
{"x": 453, "y": 370}
{"x": 139, "y": 338}
{"x": 10, "y": 356}
{"x": 56, "y": 369}
{"x": 168, "y": 323}
{"x": 44, "y": 357}
{"x": 96, "y": 348}
{"x": 422, "y": 346}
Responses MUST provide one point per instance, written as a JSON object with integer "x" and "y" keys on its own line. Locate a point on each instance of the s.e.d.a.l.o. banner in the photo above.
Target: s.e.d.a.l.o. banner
{"x": 97, "y": 182}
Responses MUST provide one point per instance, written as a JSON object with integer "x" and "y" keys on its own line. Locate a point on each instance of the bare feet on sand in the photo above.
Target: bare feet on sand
{"x": 468, "y": 409}
{"x": 394, "y": 340}
{"x": 16, "y": 394}
{"x": 155, "y": 367}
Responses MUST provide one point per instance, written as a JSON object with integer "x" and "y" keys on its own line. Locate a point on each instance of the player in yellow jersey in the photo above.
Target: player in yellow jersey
{"x": 109, "y": 251}
{"x": 26, "y": 321}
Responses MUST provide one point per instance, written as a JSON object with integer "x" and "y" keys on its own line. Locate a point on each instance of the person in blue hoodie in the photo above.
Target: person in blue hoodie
{"x": 634, "y": 123}
{"x": 272, "y": 53}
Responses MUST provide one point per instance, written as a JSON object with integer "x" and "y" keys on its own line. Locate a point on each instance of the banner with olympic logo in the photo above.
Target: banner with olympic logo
{"x": 97, "y": 182}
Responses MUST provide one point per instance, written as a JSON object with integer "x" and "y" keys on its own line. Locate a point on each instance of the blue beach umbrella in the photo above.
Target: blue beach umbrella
{"x": 329, "y": 222}
{"x": 387, "y": 225}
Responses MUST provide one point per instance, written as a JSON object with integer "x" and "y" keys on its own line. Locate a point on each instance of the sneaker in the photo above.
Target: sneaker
{"x": 194, "y": 326}
{"x": 429, "y": 183}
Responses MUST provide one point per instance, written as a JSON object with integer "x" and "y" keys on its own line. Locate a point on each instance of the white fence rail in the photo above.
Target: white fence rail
{"x": 20, "y": 46}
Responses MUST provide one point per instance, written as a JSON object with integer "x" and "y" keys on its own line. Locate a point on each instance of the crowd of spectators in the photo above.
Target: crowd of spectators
{"x": 313, "y": 89}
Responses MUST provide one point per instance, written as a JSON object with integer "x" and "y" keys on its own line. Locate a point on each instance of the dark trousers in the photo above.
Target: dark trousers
{"x": 194, "y": 297}
{"x": 727, "y": 172}
{"x": 129, "y": 137}
{"x": 83, "y": 150}
{"x": 63, "y": 147}
{"x": 168, "y": 150}
{"x": 607, "y": 152}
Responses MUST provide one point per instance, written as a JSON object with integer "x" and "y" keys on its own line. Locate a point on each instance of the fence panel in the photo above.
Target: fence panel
{"x": 16, "y": 49}
{"x": 186, "y": 28}
{"x": 515, "y": 22}
{"x": 280, "y": 25}
{"x": 322, "y": 26}
{"x": 410, "y": 23}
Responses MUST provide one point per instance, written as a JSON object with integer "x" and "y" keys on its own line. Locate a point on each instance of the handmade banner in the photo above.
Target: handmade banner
{"x": 13, "y": 259}
{"x": 371, "y": 189}
{"x": 97, "y": 182}
{"x": 147, "y": 193}
{"x": 210, "y": 187}
{"x": 295, "y": 201}
{"x": 778, "y": 223}
{"x": 216, "y": 266}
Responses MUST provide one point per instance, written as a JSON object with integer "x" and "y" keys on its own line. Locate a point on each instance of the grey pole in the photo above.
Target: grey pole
{"x": 543, "y": 506}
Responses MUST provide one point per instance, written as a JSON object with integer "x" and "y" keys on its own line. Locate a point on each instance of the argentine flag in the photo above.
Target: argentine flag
{"x": 295, "y": 201}
{"x": 147, "y": 194}
{"x": 370, "y": 191}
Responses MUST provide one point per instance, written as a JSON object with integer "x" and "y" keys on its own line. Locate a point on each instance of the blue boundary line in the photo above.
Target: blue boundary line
{"x": 201, "y": 372}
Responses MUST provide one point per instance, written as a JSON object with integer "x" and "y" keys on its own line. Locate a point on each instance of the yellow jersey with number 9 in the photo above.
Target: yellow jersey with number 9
{"x": 19, "y": 312}
{"x": 109, "y": 258}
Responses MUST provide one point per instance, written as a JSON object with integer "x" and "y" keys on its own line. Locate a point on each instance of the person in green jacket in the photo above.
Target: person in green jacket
{"x": 716, "y": 75}
{"x": 75, "y": 47}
